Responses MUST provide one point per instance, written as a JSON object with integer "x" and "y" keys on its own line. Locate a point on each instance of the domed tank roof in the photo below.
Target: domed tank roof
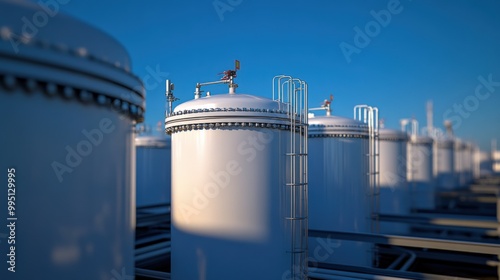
{"x": 47, "y": 46}
{"x": 153, "y": 141}
{"x": 392, "y": 135}
{"x": 57, "y": 32}
{"x": 229, "y": 102}
{"x": 228, "y": 110}
{"x": 336, "y": 126}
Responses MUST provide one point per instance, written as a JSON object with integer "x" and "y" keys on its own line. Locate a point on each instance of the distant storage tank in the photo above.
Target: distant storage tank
{"x": 445, "y": 163}
{"x": 394, "y": 191}
{"x": 460, "y": 163}
{"x": 153, "y": 169}
{"x": 239, "y": 204}
{"x": 69, "y": 103}
{"x": 476, "y": 159}
{"x": 485, "y": 163}
{"x": 339, "y": 192}
{"x": 468, "y": 163}
{"x": 420, "y": 172}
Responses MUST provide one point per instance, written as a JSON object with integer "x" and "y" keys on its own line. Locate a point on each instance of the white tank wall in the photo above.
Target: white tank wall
{"x": 445, "y": 161}
{"x": 485, "y": 163}
{"x": 226, "y": 203}
{"x": 83, "y": 225}
{"x": 394, "y": 190}
{"x": 420, "y": 174}
{"x": 153, "y": 170}
{"x": 476, "y": 155}
{"x": 339, "y": 198}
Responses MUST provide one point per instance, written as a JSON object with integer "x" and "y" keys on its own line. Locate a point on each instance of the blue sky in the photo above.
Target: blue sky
{"x": 427, "y": 50}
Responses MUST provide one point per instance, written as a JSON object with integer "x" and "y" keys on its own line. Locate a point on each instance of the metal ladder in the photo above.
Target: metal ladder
{"x": 369, "y": 115}
{"x": 292, "y": 94}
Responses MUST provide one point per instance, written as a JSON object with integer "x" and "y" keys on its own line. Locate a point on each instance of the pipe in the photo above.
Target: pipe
{"x": 230, "y": 81}
{"x": 397, "y": 261}
{"x": 410, "y": 261}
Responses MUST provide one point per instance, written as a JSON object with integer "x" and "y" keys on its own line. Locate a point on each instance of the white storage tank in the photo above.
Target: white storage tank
{"x": 339, "y": 188}
{"x": 420, "y": 172}
{"x": 153, "y": 169}
{"x": 394, "y": 191}
{"x": 239, "y": 205}
{"x": 460, "y": 163}
{"x": 485, "y": 163}
{"x": 476, "y": 162}
{"x": 69, "y": 104}
{"x": 445, "y": 163}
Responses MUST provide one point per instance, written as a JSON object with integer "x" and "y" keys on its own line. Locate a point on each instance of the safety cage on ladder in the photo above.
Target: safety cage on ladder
{"x": 292, "y": 94}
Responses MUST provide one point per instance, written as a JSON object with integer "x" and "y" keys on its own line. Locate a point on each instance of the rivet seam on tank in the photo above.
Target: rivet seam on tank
{"x": 6, "y": 34}
{"x": 219, "y": 125}
{"x": 337, "y": 136}
{"x": 10, "y": 82}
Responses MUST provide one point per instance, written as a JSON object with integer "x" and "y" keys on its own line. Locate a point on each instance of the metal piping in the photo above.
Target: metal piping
{"x": 325, "y": 106}
{"x": 227, "y": 79}
{"x": 416, "y": 242}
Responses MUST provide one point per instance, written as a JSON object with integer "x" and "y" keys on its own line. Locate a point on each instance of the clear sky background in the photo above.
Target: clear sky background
{"x": 427, "y": 50}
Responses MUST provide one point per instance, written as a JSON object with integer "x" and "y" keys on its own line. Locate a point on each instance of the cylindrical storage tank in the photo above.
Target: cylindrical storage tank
{"x": 485, "y": 164}
{"x": 445, "y": 163}
{"x": 231, "y": 190}
{"x": 468, "y": 163}
{"x": 339, "y": 190}
{"x": 153, "y": 169}
{"x": 459, "y": 158}
{"x": 394, "y": 191}
{"x": 420, "y": 172}
{"x": 69, "y": 105}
